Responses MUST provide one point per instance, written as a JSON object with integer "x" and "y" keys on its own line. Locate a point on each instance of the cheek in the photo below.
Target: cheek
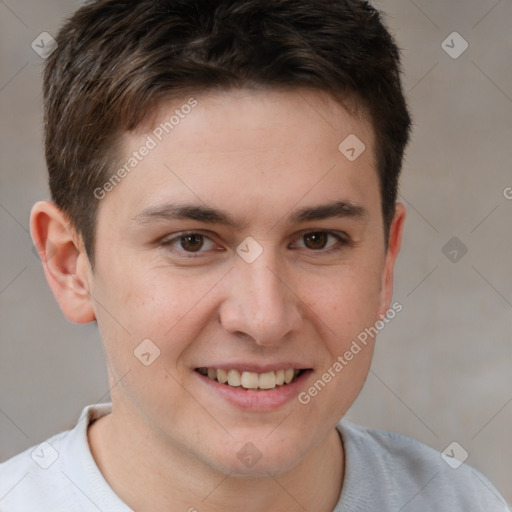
{"x": 347, "y": 300}
{"x": 345, "y": 309}
{"x": 148, "y": 321}
{"x": 149, "y": 299}
{"x": 168, "y": 308}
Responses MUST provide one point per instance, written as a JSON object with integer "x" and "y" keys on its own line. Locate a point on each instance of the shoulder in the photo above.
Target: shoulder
{"x": 410, "y": 475}
{"x": 58, "y": 475}
{"x": 32, "y": 477}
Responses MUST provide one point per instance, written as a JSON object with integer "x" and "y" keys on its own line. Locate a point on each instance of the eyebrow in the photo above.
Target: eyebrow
{"x": 206, "y": 214}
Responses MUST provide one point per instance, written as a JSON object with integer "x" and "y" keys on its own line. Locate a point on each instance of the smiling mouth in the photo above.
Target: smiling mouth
{"x": 252, "y": 381}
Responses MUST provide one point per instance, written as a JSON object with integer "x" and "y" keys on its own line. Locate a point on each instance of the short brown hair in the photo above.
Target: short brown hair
{"x": 117, "y": 61}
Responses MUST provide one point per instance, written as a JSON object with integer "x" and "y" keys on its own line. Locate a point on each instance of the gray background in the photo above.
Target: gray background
{"x": 442, "y": 368}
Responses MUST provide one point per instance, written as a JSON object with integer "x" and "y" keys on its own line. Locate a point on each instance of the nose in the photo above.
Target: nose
{"x": 260, "y": 303}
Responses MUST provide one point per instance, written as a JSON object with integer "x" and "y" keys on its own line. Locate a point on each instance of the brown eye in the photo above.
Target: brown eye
{"x": 192, "y": 243}
{"x": 316, "y": 241}
{"x": 323, "y": 242}
{"x": 189, "y": 245}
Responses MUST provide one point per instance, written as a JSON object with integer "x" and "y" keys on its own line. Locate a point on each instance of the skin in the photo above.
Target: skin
{"x": 171, "y": 443}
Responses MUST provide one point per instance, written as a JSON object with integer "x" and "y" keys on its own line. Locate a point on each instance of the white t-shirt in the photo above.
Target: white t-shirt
{"x": 383, "y": 472}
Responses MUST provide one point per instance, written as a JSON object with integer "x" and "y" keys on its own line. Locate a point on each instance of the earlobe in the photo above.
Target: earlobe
{"x": 64, "y": 260}
{"x": 394, "y": 244}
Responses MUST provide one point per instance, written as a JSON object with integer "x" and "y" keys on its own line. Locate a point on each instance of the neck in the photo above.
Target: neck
{"x": 152, "y": 476}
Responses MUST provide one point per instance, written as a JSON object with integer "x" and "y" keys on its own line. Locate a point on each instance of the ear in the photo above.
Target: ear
{"x": 64, "y": 259}
{"x": 394, "y": 243}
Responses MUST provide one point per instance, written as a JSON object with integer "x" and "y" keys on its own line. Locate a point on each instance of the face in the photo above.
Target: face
{"x": 244, "y": 241}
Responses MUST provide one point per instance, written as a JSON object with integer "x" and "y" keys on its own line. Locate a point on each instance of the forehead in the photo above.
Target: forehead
{"x": 221, "y": 146}
{"x": 307, "y": 114}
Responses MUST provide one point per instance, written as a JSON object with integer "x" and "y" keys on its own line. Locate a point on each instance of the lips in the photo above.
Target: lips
{"x": 239, "y": 389}
{"x": 249, "y": 380}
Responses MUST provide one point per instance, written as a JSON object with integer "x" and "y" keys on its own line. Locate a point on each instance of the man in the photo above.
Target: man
{"x": 224, "y": 179}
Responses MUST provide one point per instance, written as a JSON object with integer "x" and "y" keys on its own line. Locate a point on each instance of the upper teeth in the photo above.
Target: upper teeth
{"x": 251, "y": 380}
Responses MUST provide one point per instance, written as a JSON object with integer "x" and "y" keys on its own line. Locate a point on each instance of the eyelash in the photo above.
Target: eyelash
{"x": 342, "y": 242}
